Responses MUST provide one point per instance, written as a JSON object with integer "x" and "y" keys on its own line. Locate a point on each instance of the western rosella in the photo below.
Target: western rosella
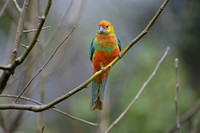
{"x": 104, "y": 48}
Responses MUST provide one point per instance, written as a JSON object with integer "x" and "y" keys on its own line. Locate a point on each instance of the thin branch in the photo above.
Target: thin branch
{"x": 176, "y": 97}
{"x": 17, "y": 6}
{"x": 7, "y": 67}
{"x": 4, "y": 7}
{"x": 24, "y": 46}
{"x": 53, "y": 108}
{"x": 33, "y": 30}
{"x": 186, "y": 117}
{"x": 45, "y": 44}
{"x": 45, "y": 64}
{"x": 139, "y": 92}
{"x": 16, "y": 62}
{"x": 19, "y": 31}
{"x": 37, "y": 108}
{"x": 40, "y": 114}
{"x": 74, "y": 118}
{"x": 37, "y": 32}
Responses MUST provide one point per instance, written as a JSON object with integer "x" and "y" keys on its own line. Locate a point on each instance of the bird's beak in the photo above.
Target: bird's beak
{"x": 102, "y": 30}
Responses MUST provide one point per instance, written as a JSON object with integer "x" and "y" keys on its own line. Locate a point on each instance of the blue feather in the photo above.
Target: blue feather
{"x": 119, "y": 42}
{"x": 91, "y": 49}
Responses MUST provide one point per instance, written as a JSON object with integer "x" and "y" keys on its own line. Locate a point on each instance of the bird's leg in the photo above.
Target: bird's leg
{"x": 103, "y": 69}
{"x": 119, "y": 55}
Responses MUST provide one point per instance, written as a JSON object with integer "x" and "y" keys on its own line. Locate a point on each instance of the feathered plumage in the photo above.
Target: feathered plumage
{"x": 104, "y": 48}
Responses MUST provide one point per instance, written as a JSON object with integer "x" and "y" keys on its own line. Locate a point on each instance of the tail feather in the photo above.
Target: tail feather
{"x": 98, "y": 94}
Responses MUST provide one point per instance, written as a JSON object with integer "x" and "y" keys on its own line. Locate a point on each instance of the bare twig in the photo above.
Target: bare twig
{"x": 37, "y": 32}
{"x": 176, "y": 97}
{"x": 187, "y": 116}
{"x": 24, "y": 46}
{"x": 4, "y": 7}
{"x": 75, "y": 118}
{"x": 37, "y": 108}
{"x": 17, "y": 6}
{"x": 40, "y": 114}
{"x": 7, "y": 67}
{"x": 19, "y": 31}
{"x": 53, "y": 108}
{"x": 45, "y": 63}
{"x": 140, "y": 91}
{"x": 33, "y": 30}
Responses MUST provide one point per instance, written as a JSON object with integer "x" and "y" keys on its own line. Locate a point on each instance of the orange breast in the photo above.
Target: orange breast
{"x": 101, "y": 58}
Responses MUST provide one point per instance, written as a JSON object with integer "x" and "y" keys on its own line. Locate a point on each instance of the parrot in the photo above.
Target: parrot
{"x": 104, "y": 47}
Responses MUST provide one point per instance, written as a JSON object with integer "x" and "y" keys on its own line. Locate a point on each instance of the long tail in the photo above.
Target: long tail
{"x": 98, "y": 94}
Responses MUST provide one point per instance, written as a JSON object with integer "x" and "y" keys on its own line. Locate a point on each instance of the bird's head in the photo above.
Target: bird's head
{"x": 105, "y": 27}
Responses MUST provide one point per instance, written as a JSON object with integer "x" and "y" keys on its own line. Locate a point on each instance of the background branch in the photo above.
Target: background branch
{"x": 17, "y": 6}
{"x": 53, "y": 108}
{"x": 186, "y": 117}
{"x": 52, "y": 55}
{"x": 176, "y": 97}
{"x": 139, "y": 92}
{"x": 4, "y": 7}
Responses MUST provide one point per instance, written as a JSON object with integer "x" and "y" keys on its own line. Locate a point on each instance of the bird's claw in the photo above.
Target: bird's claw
{"x": 103, "y": 69}
{"x": 119, "y": 56}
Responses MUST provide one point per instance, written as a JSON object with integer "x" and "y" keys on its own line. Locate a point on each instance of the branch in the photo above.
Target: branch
{"x": 187, "y": 116}
{"x": 17, "y": 6}
{"x": 53, "y": 108}
{"x": 4, "y": 7}
{"x": 84, "y": 85}
{"x": 44, "y": 45}
{"x": 45, "y": 63}
{"x": 33, "y": 30}
{"x": 19, "y": 31}
{"x": 16, "y": 62}
{"x": 7, "y": 67}
{"x": 176, "y": 97}
{"x": 6, "y": 74}
{"x": 139, "y": 92}
{"x": 35, "y": 38}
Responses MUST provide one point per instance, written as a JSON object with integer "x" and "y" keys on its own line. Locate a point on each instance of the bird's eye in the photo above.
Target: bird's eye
{"x": 107, "y": 26}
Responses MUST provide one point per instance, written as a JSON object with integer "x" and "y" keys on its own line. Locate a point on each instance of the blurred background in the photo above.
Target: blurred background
{"x": 178, "y": 26}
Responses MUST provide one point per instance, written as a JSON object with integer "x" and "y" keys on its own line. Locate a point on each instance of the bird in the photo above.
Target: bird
{"x": 104, "y": 47}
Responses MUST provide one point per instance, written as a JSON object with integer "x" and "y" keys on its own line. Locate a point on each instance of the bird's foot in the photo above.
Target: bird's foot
{"x": 119, "y": 55}
{"x": 103, "y": 69}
